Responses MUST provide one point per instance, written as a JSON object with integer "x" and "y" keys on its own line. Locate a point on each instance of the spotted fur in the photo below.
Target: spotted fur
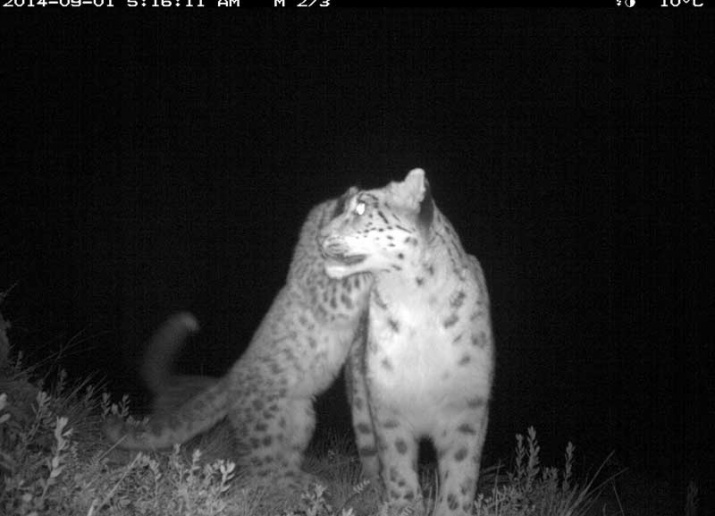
{"x": 426, "y": 367}
{"x": 268, "y": 394}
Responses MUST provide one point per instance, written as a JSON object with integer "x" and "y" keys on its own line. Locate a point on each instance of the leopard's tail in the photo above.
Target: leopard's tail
{"x": 195, "y": 416}
{"x": 157, "y": 364}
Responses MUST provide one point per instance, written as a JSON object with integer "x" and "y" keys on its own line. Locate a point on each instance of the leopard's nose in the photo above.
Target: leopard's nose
{"x": 322, "y": 240}
{"x": 330, "y": 246}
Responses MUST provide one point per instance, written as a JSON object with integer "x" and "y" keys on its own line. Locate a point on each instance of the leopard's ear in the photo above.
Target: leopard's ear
{"x": 415, "y": 186}
{"x": 417, "y": 190}
{"x": 424, "y": 219}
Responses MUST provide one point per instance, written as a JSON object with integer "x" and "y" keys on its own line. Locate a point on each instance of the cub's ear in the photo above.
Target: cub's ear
{"x": 340, "y": 205}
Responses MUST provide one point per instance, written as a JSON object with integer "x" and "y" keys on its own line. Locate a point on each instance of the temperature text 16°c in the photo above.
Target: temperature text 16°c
{"x": 678, "y": 3}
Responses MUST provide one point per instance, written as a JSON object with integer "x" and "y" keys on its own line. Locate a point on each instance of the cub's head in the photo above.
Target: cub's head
{"x": 378, "y": 230}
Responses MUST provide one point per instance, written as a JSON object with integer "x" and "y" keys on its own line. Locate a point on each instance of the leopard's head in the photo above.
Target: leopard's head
{"x": 378, "y": 230}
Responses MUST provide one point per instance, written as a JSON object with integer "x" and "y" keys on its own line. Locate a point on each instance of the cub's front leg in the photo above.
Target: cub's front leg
{"x": 358, "y": 397}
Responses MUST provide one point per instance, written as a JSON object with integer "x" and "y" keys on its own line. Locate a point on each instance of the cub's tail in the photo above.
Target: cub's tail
{"x": 164, "y": 345}
{"x": 193, "y": 417}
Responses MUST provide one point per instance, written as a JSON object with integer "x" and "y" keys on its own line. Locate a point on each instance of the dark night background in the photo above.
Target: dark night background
{"x": 155, "y": 162}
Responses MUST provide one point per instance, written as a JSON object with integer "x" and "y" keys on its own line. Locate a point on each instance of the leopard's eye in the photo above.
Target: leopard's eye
{"x": 360, "y": 208}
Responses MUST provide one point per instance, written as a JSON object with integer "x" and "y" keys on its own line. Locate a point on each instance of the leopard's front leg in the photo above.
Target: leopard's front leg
{"x": 397, "y": 449}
